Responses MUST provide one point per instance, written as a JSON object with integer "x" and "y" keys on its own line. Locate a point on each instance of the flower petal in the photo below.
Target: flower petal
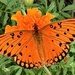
{"x": 18, "y": 17}
{"x": 11, "y": 28}
{"x": 26, "y": 22}
{"x": 45, "y": 20}
{"x": 34, "y": 14}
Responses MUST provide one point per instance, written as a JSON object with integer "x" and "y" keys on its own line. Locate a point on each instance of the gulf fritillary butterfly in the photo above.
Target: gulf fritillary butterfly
{"x": 40, "y": 44}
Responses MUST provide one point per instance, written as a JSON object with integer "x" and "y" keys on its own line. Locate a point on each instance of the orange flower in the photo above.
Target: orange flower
{"x": 26, "y": 22}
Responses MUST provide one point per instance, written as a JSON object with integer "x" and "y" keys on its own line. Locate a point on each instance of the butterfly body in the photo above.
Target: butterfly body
{"x": 38, "y": 39}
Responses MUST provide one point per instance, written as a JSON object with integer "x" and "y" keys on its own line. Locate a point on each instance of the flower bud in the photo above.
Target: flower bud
{"x": 28, "y": 2}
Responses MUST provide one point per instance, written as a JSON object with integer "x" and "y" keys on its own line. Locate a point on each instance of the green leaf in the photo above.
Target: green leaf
{"x": 39, "y": 73}
{"x": 51, "y": 6}
{"x": 60, "y": 17}
{"x": 10, "y": 4}
{"x": 69, "y": 7}
{"x": 36, "y": 5}
{"x": 66, "y": 15}
{"x": 4, "y": 1}
{"x": 55, "y": 8}
{"x": 65, "y": 71}
{"x": 57, "y": 73}
{"x": 2, "y": 59}
{"x": 70, "y": 60}
{"x": 55, "y": 14}
{"x": 14, "y": 67}
{"x": 2, "y": 71}
{"x": 19, "y": 71}
{"x": 0, "y": 13}
{"x": 45, "y": 2}
{"x": 15, "y": 9}
{"x": 72, "y": 47}
{"x": 73, "y": 70}
{"x": 29, "y": 72}
{"x": 61, "y": 4}
{"x": 5, "y": 18}
{"x": 3, "y": 62}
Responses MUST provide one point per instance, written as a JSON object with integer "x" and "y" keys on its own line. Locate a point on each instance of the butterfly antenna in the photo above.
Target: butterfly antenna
{"x": 47, "y": 71}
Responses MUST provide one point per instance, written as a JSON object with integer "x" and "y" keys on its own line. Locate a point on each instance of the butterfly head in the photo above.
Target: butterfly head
{"x": 35, "y": 27}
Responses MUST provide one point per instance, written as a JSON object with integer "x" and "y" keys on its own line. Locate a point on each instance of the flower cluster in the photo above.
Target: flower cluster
{"x": 26, "y": 22}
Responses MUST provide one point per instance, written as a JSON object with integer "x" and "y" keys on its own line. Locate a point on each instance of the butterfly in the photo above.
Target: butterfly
{"x": 38, "y": 47}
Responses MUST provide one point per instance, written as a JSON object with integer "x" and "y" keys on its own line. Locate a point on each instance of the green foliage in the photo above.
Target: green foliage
{"x": 56, "y": 7}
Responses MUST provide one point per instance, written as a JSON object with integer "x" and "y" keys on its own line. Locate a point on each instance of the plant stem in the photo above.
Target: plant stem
{"x": 48, "y": 72}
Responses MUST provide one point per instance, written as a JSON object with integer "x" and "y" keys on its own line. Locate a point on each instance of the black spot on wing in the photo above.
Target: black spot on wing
{"x": 52, "y": 40}
{"x": 67, "y": 42}
{"x": 51, "y": 26}
{"x": 68, "y": 30}
{"x": 21, "y": 53}
{"x": 5, "y": 51}
{"x": 11, "y": 45}
{"x": 54, "y": 27}
{"x": 7, "y": 43}
{"x": 0, "y": 49}
{"x": 20, "y": 33}
{"x": 60, "y": 44}
{"x": 71, "y": 39}
{"x": 73, "y": 35}
{"x": 14, "y": 55}
{"x": 12, "y": 34}
{"x": 18, "y": 36}
{"x": 9, "y": 54}
{"x": 57, "y": 35}
{"x": 19, "y": 44}
{"x": 59, "y": 24}
{"x": 29, "y": 55}
{"x": 65, "y": 33}
{"x": 53, "y": 50}
{"x": 26, "y": 46}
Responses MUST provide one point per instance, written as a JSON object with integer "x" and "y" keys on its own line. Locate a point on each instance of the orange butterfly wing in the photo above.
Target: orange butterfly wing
{"x": 49, "y": 46}
{"x": 57, "y": 38}
{"x": 21, "y": 46}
